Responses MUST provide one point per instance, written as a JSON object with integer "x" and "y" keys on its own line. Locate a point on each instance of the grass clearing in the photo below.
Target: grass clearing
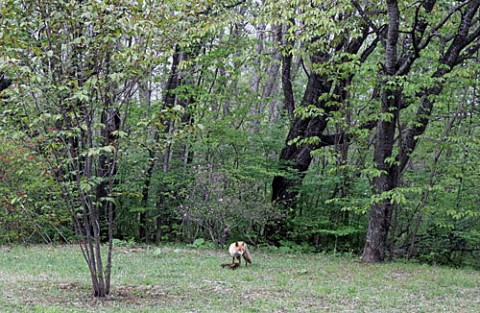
{"x": 180, "y": 279}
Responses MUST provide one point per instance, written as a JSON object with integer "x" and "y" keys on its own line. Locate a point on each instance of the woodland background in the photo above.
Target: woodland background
{"x": 340, "y": 126}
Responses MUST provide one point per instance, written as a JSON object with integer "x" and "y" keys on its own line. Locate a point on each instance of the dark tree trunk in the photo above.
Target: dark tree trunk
{"x": 146, "y": 97}
{"x": 107, "y": 168}
{"x": 168, "y": 102}
{"x": 175, "y": 156}
{"x": 176, "y": 79}
{"x": 4, "y": 82}
{"x": 321, "y": 93}
{"x": 142, "y": 216}
{"x": 287, "y": 57}
{"x": 382, "y": 209}
{"x": 297, "y": 157}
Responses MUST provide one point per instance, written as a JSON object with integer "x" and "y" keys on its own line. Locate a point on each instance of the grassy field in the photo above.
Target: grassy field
{"x": 180, "y": 279}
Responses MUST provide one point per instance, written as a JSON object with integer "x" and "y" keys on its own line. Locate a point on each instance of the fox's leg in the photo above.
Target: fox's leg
{"x": 246, "y": 262}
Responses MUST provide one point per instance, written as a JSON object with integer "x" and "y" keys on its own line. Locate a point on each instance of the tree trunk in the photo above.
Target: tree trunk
{"x": 297, "y": 157}
{"x": 382, "y": 209}
{"x": 287, "y": 57}
{"x": 4, "y": 82}
{"x": 107, "y": 167}
{"x": 168, "y": 101}
{"x": 324, "y": 92}
{"x": 145, "y": 95}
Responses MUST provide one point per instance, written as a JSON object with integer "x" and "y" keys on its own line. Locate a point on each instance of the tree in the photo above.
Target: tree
{"x": 332, "y": 42}
{"x": 77, "y": 66}
{"x": 402, "y": 50}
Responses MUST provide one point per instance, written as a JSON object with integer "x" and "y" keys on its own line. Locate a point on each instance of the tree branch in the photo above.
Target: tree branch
{"x": 451, "y": 58}
{"x": 367, "y": 19}
{"x": 419, "y": 26}
{"x": 287, "y": 56}
{"x": 434, "y": 30}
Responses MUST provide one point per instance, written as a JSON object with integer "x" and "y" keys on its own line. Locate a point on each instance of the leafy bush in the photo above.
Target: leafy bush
{"x": 30, "y": 206}
{"x": 221, "y": 208}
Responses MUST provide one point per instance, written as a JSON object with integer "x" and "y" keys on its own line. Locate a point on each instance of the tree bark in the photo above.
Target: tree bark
{"x": 146, "y": 98}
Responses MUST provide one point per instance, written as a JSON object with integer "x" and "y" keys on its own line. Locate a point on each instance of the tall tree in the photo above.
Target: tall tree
{"x": 198, "y": 29}
{"x": 394, "y": 142}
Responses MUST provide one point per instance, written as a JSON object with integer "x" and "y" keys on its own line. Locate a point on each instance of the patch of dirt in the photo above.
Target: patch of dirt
{"x": 71, "y": 294}
{"x": 68, "y": 286}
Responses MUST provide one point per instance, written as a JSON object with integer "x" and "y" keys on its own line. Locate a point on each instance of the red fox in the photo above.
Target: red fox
{"x": 239, "y": 249}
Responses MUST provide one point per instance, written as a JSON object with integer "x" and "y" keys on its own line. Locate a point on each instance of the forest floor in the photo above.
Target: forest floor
{"x": 182, "y": 279}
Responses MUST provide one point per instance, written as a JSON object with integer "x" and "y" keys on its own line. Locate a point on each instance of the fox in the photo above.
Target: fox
{"x": 239, "y": 249}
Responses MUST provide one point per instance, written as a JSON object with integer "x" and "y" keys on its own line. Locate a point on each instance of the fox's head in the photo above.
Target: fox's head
{"x": 240, "y": 247}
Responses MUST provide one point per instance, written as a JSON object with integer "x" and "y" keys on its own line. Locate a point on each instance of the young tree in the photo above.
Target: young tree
{"x": 77, "y": 65}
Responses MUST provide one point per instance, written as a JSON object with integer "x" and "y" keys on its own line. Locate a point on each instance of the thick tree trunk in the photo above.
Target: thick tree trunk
{"x": 297, "y": 157}
{"x": 382, "y": 209}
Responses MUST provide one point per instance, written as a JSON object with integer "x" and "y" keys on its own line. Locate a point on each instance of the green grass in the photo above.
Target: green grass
{"x": 179, "y": 279}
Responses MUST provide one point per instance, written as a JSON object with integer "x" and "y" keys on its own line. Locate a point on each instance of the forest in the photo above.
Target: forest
{"x": 338, "y": 126}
